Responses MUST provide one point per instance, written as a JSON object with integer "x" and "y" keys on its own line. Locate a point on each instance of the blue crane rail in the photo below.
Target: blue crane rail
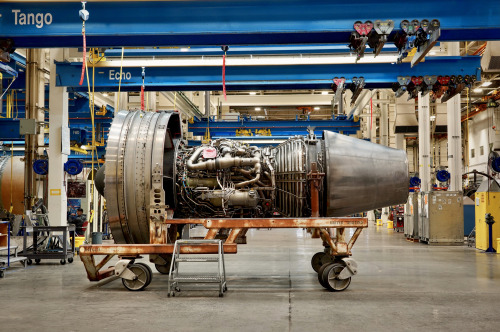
{"x": 265, "y": 77}
{"x": 225, "y": 22}
{"x": 277, "y": 128}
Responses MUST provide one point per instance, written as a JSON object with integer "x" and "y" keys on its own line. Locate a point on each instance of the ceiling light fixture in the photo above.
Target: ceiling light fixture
{"x": 478, "y": 90}
{"x": 487, "y": 83}
{"x": 324, "y": 92}
{"x": 316, "y": 108}
{"x": 253, "y": 93}
{"x": 432, "y": 53}
{"x": 257, "y": 108}
{"x": 184, "y": 49}
{"x": 105, "y": 94}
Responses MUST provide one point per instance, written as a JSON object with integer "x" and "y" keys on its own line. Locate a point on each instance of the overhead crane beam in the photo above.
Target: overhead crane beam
{"x": 274, "y": 77}
{"x": 238, "y": 50}
{"x": 277, "y": 128}
{"x": 245, "y": 22}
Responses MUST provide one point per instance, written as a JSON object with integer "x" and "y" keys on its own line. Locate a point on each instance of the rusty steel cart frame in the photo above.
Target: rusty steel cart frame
{"x": 333, "y": 265}
{"x": 333, "y": 233}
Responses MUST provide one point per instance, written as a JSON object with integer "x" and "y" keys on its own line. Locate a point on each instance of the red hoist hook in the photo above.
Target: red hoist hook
{"x": 84, "y": 16}
{"x": 224, "y": 49}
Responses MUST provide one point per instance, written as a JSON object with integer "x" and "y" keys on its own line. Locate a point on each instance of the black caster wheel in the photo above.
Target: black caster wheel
{"x": 320, "y": 274}
{"x": 141, "y": 280}
{"x": 149, "y": 273}
{"x": 70, "y": 260}
{"x": 221, "y": 294}
{"x": 29, "y": 261}
{"x": 37, "y": 260}
{"x": 331, "y": 280}
{"x": 319, "y": 259}
{"x": 62, "y": 261}
{"x": 163, "y": 269}
{"x": 2, "y": 273}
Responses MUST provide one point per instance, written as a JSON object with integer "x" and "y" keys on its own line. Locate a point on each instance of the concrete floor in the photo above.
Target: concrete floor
{"x": 400, "y": 286}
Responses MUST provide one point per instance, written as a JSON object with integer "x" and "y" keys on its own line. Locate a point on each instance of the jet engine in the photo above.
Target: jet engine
{"x": 151, "y": 173}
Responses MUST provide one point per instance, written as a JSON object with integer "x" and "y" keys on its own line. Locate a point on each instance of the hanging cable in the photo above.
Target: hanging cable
{"x": 225, "y": 49}
{"x": 120, "y": 81}
{"x": 467, "y": 133}
{"x": 142, "y": 88}
{"x": 11, "y": 174}
{"x": 84, "y": 16}
{"x": 13, "y": 79}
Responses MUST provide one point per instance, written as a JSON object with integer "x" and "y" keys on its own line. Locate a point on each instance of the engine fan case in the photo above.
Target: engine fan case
{"x": 137, "y": 143}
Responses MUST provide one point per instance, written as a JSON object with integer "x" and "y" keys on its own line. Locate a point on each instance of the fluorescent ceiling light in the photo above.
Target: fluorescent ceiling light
{"x": 324, "y": 92}
{"x": 247, "y": 61}
{"x": 487, "y": 83}
{"x": 253, "y": 93}
{"x": 432, "y": 53}
{"x": 105, "y": 94}
{"x": 316, "y": 108}
{"x": 257, "y": 108}
{"x": 478, "y": 90}
{"x": 184, "y": 49}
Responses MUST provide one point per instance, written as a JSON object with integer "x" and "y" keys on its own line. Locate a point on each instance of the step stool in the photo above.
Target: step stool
{"x": 174, "y": 278}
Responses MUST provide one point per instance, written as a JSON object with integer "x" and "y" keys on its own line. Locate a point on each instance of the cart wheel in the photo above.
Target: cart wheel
{"x": 1, "y": 273}
{"x": 163, "y": 269}
{"x": 221, "y": 294}
{"x": 319, "y": 259}
{"x": 29, "y": 261}
{"x": 316, "y": 261}
{"x": 70, "y": 260}
{"x": 62, "y": 261}
{"x": 37, "y": 260}
{"x": 150, "y": 273}
{"x": 330, "y": 278}
{"x": 320, "y": 274}
{"x": 141, "y": 278}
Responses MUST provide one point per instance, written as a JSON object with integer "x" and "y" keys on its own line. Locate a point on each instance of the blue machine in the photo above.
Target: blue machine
{"x": 73, "y": 166}
{"x": 41, "y": 166}
{"x": 443, "y": 175}
{"x": 415, "y": 182}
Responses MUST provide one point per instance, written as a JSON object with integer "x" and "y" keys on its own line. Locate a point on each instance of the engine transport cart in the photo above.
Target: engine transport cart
{"x": 57, "y": 246}
{"x": 334, "y": 265}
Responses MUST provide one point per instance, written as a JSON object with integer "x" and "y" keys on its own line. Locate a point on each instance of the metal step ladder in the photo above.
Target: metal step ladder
{"x": 174, "y": 278}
